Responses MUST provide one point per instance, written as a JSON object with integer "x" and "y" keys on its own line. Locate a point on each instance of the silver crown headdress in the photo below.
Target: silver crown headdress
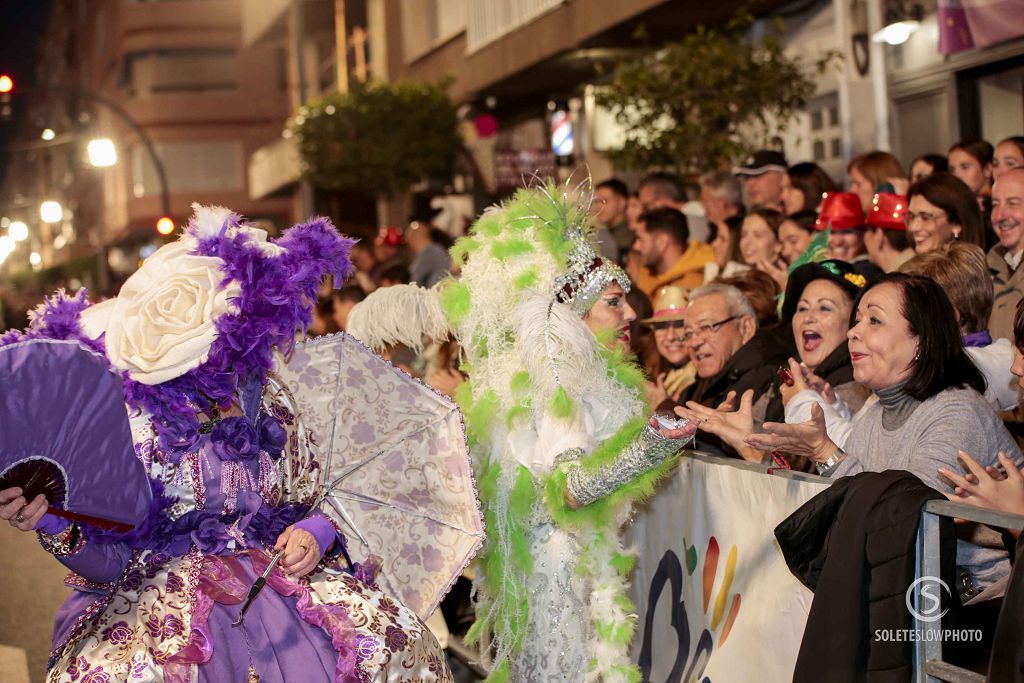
{"x": 588, "y": 275}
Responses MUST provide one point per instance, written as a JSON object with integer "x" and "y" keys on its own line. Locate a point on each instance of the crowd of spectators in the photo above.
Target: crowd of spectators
{"x": 876, "y": 327}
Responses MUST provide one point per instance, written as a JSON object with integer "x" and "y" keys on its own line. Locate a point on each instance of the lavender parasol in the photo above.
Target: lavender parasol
{"x": 396, "y": 473}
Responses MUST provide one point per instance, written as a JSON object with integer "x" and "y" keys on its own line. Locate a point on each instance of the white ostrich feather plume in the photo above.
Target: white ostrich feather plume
{"x": 556, "y": 347}
{"x": 402, "y": 314}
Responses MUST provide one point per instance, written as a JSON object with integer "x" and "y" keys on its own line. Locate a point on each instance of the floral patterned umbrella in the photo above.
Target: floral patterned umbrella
{"x": 395, "y": 469}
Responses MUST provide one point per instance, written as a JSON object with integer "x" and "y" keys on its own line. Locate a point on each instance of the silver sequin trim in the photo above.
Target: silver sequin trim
{"x": 648, "y": 451}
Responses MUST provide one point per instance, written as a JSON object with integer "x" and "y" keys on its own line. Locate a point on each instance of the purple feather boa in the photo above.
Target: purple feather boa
{"x": 276, "y": 303}
{"x": 56, "y": 318}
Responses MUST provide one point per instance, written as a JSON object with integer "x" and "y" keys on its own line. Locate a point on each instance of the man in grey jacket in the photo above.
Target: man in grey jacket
{"x": 1004, "y": 259}
{"x": 430, "y": 262}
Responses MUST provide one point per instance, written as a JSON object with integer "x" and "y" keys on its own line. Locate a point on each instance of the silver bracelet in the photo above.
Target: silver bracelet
{"x": 649, "y": 450}
{"x": 825, "y": 467}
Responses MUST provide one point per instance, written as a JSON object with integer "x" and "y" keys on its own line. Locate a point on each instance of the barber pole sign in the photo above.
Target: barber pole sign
{"x": 562, "y": 142}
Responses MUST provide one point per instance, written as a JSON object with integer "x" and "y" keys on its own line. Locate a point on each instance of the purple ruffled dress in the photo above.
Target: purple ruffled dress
{"x": 159, "y": 606}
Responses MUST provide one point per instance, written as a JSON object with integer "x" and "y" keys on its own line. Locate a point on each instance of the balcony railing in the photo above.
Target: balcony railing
{"x": 489, "y": 20}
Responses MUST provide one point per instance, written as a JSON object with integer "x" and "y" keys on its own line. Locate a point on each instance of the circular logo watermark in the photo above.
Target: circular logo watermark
{"x": 931, "y": 598}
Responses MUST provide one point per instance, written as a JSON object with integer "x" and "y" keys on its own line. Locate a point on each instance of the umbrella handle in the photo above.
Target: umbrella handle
{"x": 105, "y": 524}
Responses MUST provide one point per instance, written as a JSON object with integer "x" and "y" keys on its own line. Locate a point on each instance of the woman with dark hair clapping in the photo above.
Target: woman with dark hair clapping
{"x": 906, "y": 347}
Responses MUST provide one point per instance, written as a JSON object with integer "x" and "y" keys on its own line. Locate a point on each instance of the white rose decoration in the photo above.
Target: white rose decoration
{"x": 162, "y": 323}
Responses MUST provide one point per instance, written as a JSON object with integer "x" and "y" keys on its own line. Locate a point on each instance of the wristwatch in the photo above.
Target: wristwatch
{"x": 825, "y": 467}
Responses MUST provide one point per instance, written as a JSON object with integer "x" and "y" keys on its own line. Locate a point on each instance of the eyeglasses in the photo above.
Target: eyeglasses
{"x": 924, "y": 216}
{"x": 704, "y": 331}
{"x": 667, "y": 325}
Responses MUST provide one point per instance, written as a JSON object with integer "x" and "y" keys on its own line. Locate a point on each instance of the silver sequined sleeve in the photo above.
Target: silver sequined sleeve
{"x": 649, "y": 450}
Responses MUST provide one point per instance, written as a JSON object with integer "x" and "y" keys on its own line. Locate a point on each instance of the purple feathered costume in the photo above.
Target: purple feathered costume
{"x": 157, "y": 604}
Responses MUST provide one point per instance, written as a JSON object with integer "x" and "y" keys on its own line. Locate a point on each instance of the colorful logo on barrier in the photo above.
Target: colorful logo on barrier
{"x": 689, "y": 665}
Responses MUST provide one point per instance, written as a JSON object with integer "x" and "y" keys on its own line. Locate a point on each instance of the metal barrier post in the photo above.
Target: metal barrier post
{"x": 928, "y": 664}
{"x": 928, "y": 646}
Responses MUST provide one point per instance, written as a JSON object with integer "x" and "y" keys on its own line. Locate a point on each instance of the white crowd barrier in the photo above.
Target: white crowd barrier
{"x": 716, "y": 601}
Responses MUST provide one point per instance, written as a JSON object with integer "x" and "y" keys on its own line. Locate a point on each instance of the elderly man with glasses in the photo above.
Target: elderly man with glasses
{"x": 729, "y": 355}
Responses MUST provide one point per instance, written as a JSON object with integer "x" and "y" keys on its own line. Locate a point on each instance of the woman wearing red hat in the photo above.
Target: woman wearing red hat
{"x": 842, "y": 213}
{"x": 886, "y": 239}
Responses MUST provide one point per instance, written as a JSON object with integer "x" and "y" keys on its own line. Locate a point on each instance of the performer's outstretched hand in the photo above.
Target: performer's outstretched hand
{"x": 684, "y": 432}
{"x": 19, "y": 512}
{"x": 301, "y": 552}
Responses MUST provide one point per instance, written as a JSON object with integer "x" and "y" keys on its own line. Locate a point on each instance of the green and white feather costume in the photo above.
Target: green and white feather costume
{"x": 550, "y": 581}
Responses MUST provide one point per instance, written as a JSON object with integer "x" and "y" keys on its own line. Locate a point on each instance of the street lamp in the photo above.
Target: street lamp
{"x": 6, "y": 245}
{"x": 896, "y": 33}
{"x": 901, "y": 19}
{"x": 102, "y": 152}
{"x": 18, "y": 231}
{"x": 35, "y": 259}
{"x": 165, "y": 226}
{"x": 51, "y": 212}
{"x": 48, "y": 134}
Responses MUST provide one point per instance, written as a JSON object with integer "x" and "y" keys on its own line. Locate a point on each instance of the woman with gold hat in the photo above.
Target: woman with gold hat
{"x": 673, "y": 372}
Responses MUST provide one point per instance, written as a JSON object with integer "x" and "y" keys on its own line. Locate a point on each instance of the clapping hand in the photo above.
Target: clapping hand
{"x": 988, "y": 487}
{"x": 808, "y": 439}
{"x": 804, "y": 379}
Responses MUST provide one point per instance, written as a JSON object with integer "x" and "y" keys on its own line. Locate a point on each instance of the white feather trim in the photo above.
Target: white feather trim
{"x": 556, "y": 347}
{"x": 402, "y": 314}
{"x": 208, "y": 220}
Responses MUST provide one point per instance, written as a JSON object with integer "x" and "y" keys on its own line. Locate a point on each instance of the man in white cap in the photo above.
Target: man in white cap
{"x": 762, "y": 176}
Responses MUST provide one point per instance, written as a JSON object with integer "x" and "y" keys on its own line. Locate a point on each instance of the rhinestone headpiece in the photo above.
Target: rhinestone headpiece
{"x": 588, "y": 274}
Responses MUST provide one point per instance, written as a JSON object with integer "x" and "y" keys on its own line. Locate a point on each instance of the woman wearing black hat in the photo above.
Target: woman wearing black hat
{"x": 818, "y": 304}
{"x": 819, "y": 301}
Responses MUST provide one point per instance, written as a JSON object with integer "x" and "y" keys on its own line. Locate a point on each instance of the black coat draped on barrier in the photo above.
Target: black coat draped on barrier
{"x": 854, "y": 545}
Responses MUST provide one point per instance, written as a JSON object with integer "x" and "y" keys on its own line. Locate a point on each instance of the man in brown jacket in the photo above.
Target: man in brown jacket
{"x": 666, "y": 254}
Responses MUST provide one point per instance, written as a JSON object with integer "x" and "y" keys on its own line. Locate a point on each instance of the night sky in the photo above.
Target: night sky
{"x": 22, "y": 23}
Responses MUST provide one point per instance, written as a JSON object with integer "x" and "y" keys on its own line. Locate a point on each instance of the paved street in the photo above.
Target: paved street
{"x": 31, "y": 591}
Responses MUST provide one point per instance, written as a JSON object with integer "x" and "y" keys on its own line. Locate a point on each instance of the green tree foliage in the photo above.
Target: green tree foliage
{"x": 703, "y": 102}
{"x": 379, "y": 137}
